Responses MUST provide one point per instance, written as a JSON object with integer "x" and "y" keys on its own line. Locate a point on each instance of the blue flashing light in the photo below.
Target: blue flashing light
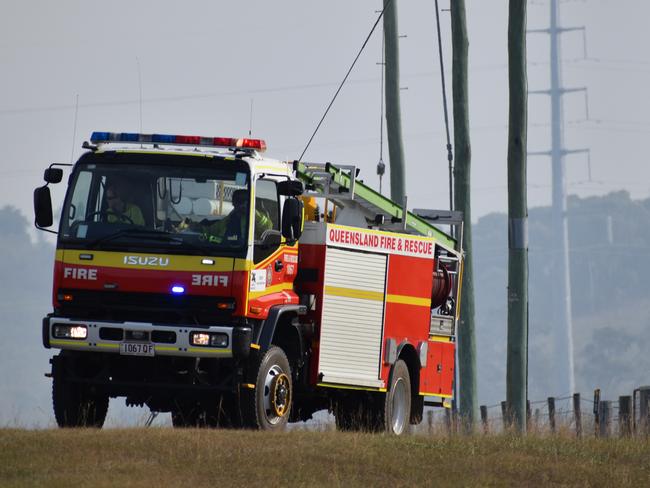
{"x": 99, "y": 136}
{"x": 178, "y": 289}
{"x": 163, "y": 138}
{"x": 129, "y": 137}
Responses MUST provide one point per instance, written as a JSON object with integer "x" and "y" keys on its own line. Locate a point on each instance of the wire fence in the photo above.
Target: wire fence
{"x": 574, "y": 415}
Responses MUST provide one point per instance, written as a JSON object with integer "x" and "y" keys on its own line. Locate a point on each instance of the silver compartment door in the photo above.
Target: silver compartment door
{"x": 353, "y": 318}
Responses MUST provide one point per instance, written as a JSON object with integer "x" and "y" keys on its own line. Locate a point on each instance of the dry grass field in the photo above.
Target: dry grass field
{"x": 163, "y": 457}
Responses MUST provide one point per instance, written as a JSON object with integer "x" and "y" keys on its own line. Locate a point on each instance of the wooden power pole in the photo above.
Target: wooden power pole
{"x": 466, "y": 334}
{"x": 393, "y": 110}
{"x": 517, "y": 361}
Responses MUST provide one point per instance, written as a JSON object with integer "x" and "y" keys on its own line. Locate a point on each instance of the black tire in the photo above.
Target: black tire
{"x": 268, "y": 406}
{"x": 397, "y": 405}
{"x": 75, "y": 405}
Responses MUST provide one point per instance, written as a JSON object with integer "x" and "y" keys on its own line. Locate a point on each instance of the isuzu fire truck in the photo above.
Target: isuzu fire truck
{"x": 327, "y": 296}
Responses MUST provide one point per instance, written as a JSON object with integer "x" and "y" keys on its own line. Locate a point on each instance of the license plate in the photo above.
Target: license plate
{"x": 135, "y": 349}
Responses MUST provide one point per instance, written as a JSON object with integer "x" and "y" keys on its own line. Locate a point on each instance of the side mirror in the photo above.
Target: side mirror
{"x": 292, "y": 218}
{"x": 53, "y": 175}
{"x": 290, "y": 188}
{"x": 43, "y": 207}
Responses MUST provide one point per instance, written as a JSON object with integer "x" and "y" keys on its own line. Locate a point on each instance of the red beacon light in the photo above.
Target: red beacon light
{"x": 134, "y": 138}
{"x": 257, "y": 144}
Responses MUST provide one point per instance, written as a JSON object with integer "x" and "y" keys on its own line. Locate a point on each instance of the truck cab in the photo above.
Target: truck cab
{"x": 170, "y": 258}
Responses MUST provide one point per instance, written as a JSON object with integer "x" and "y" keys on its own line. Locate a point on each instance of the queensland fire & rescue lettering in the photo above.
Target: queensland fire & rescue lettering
{"x": 146, "y": 260}
{"x": 380, "y": 242}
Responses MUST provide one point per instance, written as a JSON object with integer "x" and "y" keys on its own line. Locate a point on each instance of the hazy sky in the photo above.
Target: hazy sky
{"x": 201, "y": 63}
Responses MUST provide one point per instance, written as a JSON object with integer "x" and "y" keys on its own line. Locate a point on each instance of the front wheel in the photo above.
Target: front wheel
{"x": 76, "y": 405}
{"x": 268, "y": 406}
{"x": 397, "y": 407}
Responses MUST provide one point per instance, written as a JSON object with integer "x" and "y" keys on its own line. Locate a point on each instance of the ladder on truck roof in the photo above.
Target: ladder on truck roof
{"x": 337, "y": 184}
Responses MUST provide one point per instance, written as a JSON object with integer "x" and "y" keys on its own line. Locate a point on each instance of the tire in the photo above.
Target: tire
{"x": 268, "y": 406}
{"x": 75, "y": 405}
{"x": 397, "y": 406}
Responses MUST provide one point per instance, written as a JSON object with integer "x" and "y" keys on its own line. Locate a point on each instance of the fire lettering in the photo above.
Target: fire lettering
{"x": 210, "y": 280}
{"x": 80, "y": 273}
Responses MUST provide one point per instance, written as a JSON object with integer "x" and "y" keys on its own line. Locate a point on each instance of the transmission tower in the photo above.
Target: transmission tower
{"x": 561, "y": 326}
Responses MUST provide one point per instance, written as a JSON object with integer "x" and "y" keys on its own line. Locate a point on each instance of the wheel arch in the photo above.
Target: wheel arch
{"x": 280, "y": 329}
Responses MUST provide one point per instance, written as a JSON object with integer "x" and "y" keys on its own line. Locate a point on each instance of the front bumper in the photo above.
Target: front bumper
{"x": 167, "y": 340}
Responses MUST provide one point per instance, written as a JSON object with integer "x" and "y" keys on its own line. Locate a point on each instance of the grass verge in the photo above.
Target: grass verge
{"x": 196, "y": 458}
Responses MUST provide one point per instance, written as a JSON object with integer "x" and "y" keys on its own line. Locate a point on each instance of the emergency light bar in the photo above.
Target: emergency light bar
{"x": 134, "y": 138}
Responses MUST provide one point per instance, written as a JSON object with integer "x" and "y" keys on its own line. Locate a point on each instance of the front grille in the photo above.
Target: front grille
{"x": 163, "y": 337}
{"x": 144, "y": 307}
{"x": 111, "y": 333}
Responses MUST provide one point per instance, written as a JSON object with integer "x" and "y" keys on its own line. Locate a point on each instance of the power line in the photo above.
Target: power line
{"x": 345, "y": 78}
{"x": 201, "y": 96}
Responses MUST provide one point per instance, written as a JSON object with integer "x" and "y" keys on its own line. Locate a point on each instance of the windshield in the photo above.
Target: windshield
{"x": 202, "y": 208}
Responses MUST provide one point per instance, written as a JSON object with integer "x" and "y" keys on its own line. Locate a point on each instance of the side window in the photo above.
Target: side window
{"x": 79, "y": 206}
{"x": 267, "y": 219}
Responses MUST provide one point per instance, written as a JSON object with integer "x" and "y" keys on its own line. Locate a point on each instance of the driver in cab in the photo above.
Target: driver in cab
{"x": 232, "y": 229}
{"x": 119, "y": 209}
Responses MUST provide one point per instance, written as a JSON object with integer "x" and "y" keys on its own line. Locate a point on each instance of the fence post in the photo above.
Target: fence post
{"x": 644, "y": 409}
{"x": 596, "y": 410}
{"x": 528, "y": 416}
{"x": 605, "y": 418}
{"x": 624, "y": 416}
{"x": 505, "y": 415}
{"x": 551, "y": 413}
{"x": 577, "y": 414}
{"x": 484, "y": 419}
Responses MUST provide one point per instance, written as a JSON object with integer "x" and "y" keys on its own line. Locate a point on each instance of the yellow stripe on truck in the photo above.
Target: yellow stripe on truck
{"x": 338, "y": 291}
{"x": 407, "y": 300}
{"x": 59, "y": 342}
{"x": 376, "y": 296}
{"x": 111, "y": 259}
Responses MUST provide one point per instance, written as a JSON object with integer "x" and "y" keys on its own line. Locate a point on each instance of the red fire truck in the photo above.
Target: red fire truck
{"x": 197, "y": 277}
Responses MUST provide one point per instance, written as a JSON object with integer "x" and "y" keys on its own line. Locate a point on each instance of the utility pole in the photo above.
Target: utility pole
{"x": 563, "y": 373}
{"x": 517, "y": 361}
{"x": 393, "y": 110}
{"x": 466, "y": 333}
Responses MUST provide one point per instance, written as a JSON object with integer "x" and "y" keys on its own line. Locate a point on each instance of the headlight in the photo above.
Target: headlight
{"x": 75, "y": 331}
{"x": 209, "y": 339}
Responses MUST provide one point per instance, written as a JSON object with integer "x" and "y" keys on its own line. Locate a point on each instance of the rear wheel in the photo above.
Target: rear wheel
{"x": 397, "y": 406}
{"x": 76, "y": 405}
{"x": 267, "y": 407}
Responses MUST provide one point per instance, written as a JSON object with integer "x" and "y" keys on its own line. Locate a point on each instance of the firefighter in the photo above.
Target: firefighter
{"x": 119, "y": 209}
{"x": 232, "y": 229}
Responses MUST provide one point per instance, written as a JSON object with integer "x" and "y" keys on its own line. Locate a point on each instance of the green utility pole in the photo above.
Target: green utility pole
{"x": 517, "y": 362}
{"x": 393, "y": 111}
{"x": 466, "y": 334}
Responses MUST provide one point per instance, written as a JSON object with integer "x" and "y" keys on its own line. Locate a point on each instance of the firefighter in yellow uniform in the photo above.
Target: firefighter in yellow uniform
{"x": 232, "y": 229}
{"x": 119, "y": 210}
